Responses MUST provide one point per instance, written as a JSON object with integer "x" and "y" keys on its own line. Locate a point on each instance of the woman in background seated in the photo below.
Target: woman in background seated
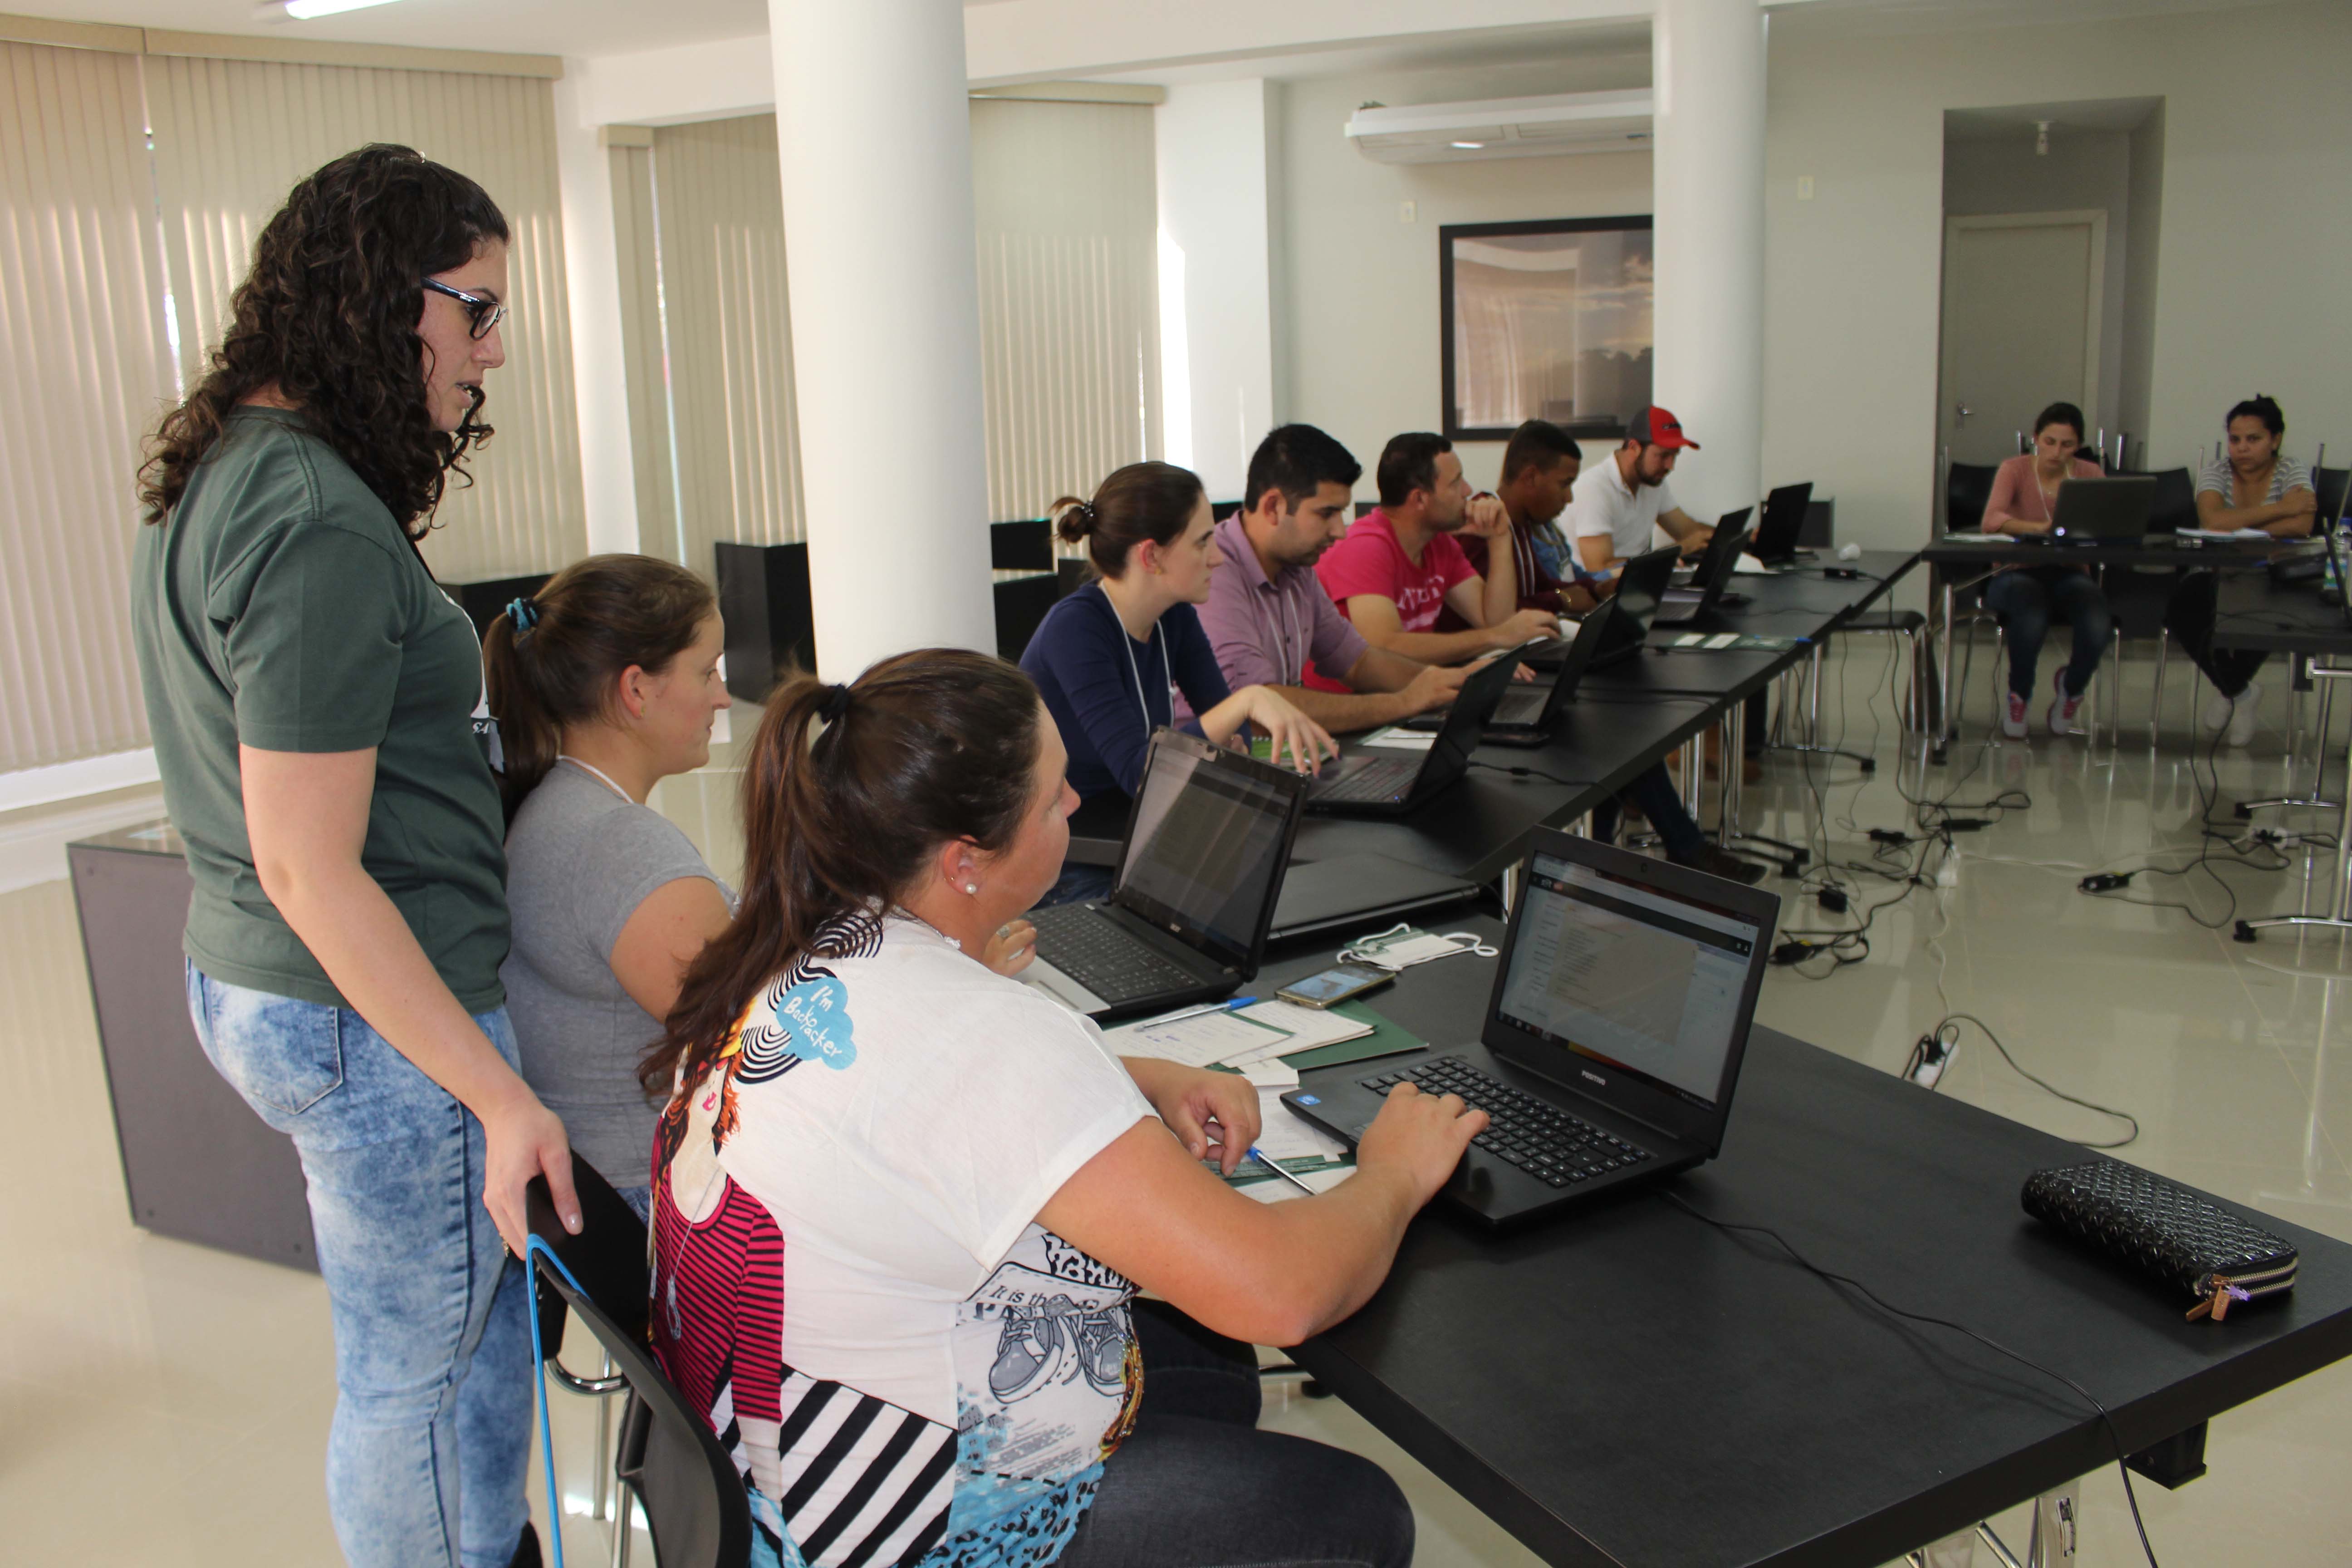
{"x": 903, "y": 1205}
{"x": 1105, "y": 658}
{"x": 605, "y": 683}
{"x": 2256, "y": 487}
{"x": 2023, "y": 501}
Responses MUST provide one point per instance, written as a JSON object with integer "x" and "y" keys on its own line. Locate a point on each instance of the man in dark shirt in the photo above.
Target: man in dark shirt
{"x": 1539, "y": 466}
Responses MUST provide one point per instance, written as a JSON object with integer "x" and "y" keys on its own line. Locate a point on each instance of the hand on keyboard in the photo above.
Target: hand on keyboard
{"x": 1421, "y": 1136}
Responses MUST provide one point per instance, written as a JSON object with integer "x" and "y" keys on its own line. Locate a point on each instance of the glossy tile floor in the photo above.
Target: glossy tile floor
{"x": 165, "y": 1406}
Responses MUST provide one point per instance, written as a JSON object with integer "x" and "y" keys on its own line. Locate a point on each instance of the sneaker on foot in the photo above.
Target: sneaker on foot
{"x": 2216, "y": 711}
{"x": 2245, "y": 711}
{"x": 2012, "y": 717}
{"x": 1716, "y": 863}
{"x": 2063, "y": 709}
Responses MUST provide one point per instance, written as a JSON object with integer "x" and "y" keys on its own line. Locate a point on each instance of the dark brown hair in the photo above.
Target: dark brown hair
{"x": 1409, "y": 463}
{"x": 2060, "y": 414}
{"x": 1537, "y": 443}
{"x": 592, "y": 620}
{"x": 328, "y": 316}
{"x": 2262, "y": 406}
{"x": 839, "y": 822}
{"x": 1139, "y": 501}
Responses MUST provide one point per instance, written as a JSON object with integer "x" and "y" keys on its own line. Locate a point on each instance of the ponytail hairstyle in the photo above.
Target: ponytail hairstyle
{"x": 848, "y": 792}
{"x": 327, "y": 315}
{"x": 551, "y": 660}
{"x": 1139, "y": 501}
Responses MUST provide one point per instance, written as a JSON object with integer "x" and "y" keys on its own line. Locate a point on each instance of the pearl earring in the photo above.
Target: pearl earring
{"x": 972, "y": 887}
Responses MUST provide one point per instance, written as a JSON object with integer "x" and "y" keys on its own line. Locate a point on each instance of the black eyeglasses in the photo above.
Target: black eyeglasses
{"x": 487, "y": 313}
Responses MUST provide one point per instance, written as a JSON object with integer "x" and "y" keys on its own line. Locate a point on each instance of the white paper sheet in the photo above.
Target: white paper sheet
{"x": 1202, "y": 1040}
{"x": 1400, "y": 739}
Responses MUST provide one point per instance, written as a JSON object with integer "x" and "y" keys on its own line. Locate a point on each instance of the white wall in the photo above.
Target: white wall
{"x": 2083, "y": 170}
{"x": 592, "y": 268}
{"x": 2147, "y": 197}
{"x": 1211, "y": 141}
{"x": 2255, "y": 129}
{"x": 1358, "y": 336}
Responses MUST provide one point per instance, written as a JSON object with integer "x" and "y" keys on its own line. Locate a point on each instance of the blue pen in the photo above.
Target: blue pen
{"x": 1279, "y": 1170}
{"x": 1229, "y": 1005}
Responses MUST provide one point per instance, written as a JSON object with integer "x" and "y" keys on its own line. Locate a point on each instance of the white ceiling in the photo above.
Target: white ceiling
{"x": 594, "y": 27}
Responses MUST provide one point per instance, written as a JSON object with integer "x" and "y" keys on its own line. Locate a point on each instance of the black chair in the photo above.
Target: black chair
{"x": 1025, "y": 546}
{"x": 2328, "y": 485}
{"x": 1222, "y": 510}
{"x": 1968, "y": 489}
{"x": 687, "y": 1485}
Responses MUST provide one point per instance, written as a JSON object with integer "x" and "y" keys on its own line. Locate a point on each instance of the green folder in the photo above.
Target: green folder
{"x": 1386, "y": 1039}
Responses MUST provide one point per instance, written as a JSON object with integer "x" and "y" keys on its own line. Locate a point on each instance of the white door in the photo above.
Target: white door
{"x": 2020, "y": 325}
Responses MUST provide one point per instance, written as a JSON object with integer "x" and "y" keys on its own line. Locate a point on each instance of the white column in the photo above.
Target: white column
{"x": 1708, "y": 70}
{"x": 875, "y": 135}
{"x": 1216, "y": 276}
{"x": 591, "y": 269}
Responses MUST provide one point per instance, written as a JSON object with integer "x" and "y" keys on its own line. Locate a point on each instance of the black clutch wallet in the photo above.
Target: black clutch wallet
{"x": 2164, "y": 1231}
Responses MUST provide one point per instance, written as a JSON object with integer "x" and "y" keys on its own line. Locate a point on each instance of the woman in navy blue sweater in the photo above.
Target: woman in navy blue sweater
{"x": 1106, "y": 658}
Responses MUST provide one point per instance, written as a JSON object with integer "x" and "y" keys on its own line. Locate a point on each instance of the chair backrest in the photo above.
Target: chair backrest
{"x": 2175, "y": 505}
{"x": 692, "y": 1494}
{"x": 2328, "y": 485}
{"x": 1968, "y": 488}
{"x": 1023, "y": 546}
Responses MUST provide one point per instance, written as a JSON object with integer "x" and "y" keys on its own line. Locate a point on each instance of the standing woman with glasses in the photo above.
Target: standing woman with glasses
{"x": 317, "y": 706}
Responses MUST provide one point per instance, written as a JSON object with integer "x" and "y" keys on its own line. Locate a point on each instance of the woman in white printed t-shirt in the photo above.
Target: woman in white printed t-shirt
{"x": 902, "y": 1204}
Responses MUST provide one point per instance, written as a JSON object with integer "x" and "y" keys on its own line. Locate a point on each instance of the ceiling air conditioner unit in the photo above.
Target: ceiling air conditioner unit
{"x": 1614, "y": 122}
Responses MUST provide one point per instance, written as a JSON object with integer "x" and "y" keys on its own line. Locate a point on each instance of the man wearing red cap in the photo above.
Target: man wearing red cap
{"x": 1617, "y": 504}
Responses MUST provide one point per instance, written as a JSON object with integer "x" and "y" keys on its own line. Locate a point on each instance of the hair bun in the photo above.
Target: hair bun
{"x": 1075, "y": 519}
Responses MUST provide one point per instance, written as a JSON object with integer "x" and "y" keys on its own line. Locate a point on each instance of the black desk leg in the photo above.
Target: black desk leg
{"x": 2175, "y": 1462}
{"x": 1728, "y": 833}
{"x": 2246, "y": 808}
{"x": 2340, "y": 918}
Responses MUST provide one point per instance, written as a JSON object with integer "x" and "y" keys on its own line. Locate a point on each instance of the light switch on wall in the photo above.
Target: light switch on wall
{"x": 1804, "y": 187}
{"x": 1405, "y": 212}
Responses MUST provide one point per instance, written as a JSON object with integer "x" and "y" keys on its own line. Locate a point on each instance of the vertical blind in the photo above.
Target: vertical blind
{"x": 233, "y": 136}
{"x": 84, "y": 369}
{"x": 116, "y": 247}
{"x": 1069, "y": 307}
{"x": 1068, "y": 314}
{"x": 717, "y": 192}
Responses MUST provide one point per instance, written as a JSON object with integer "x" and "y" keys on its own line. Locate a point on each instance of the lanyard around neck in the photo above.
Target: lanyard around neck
{"x": 596, "y": 772}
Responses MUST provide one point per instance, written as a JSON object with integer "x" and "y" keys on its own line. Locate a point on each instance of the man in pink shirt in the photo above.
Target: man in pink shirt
{"x": 1401, "y": 564}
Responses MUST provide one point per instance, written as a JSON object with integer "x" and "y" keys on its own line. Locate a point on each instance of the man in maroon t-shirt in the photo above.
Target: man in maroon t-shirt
{"x": 1401, "y": 564}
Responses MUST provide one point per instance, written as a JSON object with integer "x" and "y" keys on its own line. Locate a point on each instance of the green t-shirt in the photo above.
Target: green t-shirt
{"x": 281, "y": 607}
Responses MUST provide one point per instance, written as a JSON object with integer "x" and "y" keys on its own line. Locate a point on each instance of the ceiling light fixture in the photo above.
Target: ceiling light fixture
{"x": 304, "y": 10}
{"x": 1470, "y": 146}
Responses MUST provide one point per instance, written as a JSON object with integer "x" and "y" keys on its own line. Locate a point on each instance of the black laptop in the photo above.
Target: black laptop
{"x": 1611, "y": 1039}
{"x": 1642, "y": 585}
{"x": 1360, "y": 892}
{"x": 1528, "y": 714}
{"x": 2091, "y": 511}
{"x": 1199, "y": 871}
{"x": 1718, "y": 565}
{"x": 1784, "y": 519}
{"x": 1382, "y": 781}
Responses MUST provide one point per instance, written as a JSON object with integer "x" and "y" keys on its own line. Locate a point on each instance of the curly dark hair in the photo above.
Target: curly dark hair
{"x": 329, "y": 315}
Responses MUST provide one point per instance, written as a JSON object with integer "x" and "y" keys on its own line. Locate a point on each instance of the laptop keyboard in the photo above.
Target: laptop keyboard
{"x": 1523, "y": 707}
{"x": 1536, "y": 1136}
{"x": 1379, "y": 778}
{"x": 1106, "y": 961}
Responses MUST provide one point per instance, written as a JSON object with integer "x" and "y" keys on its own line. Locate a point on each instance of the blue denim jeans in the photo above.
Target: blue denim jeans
{"x": 1654, "y": 792}
{"x": 2024, "y": 600}
{"x": 431, "y": 1442}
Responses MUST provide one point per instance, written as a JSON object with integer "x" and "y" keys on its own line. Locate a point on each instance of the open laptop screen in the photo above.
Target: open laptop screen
{"x": 1205, "y": 848}
{"x": 1628, "y": 976}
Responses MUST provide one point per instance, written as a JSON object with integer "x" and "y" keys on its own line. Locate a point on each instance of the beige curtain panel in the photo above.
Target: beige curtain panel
{"x": 84, "y": 370}
{"x": 231, "y": 138}
{"x": 1068, "y": 303}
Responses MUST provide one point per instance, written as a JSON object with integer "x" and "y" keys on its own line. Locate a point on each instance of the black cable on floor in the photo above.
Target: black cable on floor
{"x": 2123, "y": 1460}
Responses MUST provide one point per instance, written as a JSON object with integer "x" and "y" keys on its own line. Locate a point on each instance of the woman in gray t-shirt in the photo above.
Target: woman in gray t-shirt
{"x": 606, "y": 682}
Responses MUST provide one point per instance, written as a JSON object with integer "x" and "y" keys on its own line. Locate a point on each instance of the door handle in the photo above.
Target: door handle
{"x": 1961, "y": 411}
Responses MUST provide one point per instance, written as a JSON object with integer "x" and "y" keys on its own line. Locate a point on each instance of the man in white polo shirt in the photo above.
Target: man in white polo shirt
{"x": 1617, "y": 505}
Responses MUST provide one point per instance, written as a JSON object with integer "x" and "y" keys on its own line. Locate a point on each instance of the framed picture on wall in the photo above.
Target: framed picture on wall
{"x": 1544, "y": 319}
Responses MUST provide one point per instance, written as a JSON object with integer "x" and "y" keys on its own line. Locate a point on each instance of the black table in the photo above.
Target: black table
{"x": 1629, "y": 1386}
{"x": 2254, "y": 613}
{"x": 1955, "y": 562}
